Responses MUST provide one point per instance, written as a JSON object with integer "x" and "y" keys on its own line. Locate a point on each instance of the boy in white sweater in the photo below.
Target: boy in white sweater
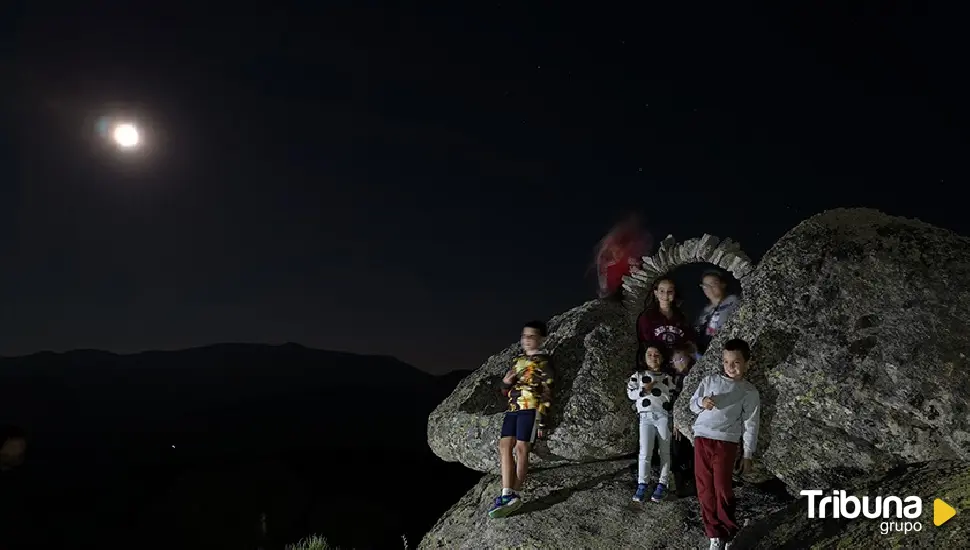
{"x": 651, "y": 390}
{"x": 727, "y": 408}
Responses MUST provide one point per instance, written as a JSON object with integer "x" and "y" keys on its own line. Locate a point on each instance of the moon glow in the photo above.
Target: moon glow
{"x": 126, "y": 135}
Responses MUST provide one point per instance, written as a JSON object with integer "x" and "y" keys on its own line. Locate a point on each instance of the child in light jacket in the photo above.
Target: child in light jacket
{"x": 728, "y": 410}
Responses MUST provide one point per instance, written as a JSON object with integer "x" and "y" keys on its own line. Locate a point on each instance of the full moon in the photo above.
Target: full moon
{"x": 126, "y": 135}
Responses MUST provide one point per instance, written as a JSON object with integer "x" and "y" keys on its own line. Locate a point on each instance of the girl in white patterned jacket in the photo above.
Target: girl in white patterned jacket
{"x": 652, "y": 390}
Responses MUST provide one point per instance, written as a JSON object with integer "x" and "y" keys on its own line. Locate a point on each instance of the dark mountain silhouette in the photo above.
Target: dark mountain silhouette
{"x": 195, "y": 446}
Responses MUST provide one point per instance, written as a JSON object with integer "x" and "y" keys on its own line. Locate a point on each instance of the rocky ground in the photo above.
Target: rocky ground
{"x": 590, "y": 506}
{"x": 584, "y": 506}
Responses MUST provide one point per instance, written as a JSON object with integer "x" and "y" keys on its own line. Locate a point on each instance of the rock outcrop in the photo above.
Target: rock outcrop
{"x": 593, "y": 346}
{"x": 857, "y": 322}
{"x": 946, "y": 480}
{"x": 583, "y": 506}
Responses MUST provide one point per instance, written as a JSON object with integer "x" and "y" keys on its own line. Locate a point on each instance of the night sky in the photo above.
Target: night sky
{"x": 418, "y": 183}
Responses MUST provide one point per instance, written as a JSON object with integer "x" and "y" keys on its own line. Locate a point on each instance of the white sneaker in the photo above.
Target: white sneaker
{"x": 716, "y": 544}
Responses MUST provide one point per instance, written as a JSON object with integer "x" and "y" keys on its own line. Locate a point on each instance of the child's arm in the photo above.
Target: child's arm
{"x": 671, "y": 383}
{"x": 751, "y": 413}
{"x": 699, "y": 394}
{"x": 548, "y": 376}
{"x": 633, "y": 387}
{"x": 508, "y": 381}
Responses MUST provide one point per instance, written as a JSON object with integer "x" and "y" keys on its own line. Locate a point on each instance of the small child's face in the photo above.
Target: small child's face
{"x": 531, "y": 340}
{"x": 735, "y": 365}
{"x": 654, "y": 358}
{"x": 681, "y": 361}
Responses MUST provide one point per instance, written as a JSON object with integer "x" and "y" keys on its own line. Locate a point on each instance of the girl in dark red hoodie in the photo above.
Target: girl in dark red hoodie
{"x": 662, "y": 318}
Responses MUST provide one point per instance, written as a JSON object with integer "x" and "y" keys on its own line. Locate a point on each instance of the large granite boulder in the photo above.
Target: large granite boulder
{"x": 949, "y": 481}
{"x": 593, "y": 348}
{"x": 858, "y": 326}
{"x": 584, "y": 506}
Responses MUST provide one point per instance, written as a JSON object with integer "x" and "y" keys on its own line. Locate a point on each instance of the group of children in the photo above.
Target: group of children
{"x": 727, "y": 407}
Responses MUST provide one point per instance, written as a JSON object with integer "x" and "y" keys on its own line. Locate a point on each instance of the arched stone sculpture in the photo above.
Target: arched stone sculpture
{"x": 725, "y": 254}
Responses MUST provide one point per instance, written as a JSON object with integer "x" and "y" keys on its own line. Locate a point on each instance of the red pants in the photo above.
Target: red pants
{"x": 713, "y": 474}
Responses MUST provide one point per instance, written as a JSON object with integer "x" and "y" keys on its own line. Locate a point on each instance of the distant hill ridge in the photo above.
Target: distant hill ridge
{"x": 219, "y": 391}
{"x": 227, "y": 347}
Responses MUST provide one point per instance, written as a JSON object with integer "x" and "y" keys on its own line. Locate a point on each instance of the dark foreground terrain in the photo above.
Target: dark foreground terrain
{"x": 230, "y": 446}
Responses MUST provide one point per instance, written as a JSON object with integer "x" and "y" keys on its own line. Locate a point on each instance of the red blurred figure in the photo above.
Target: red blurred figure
{"x": 619, "y": 253}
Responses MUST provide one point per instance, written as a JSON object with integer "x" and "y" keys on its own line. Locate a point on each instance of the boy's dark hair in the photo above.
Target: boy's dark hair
{"x": 539, "y": 326}
{"x": 737, "y": 344}
{"x": 717, "y": 274}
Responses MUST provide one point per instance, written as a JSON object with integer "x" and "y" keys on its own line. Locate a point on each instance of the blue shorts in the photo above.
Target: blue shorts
{"x": 521, "y": 425}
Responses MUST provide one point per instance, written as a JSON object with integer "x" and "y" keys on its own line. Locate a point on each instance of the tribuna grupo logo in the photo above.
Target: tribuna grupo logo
{"x": 898, "y": 514}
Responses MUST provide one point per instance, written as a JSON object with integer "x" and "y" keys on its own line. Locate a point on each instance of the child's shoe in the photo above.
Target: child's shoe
{"x": 641, "y": 492}
{"x": 659, "y": 493}
{"x": 716, "y": 544}
{"x": 504, "y": 505}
